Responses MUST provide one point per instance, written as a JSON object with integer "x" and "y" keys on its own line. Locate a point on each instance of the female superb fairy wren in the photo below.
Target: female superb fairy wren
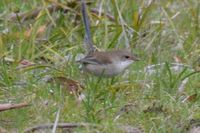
{"x": 103, "y": 63}
{"x": 109, "y": 63}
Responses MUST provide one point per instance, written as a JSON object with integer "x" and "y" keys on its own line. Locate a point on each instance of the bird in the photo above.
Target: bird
{"x": 103, "y": 63}
{"x": 109, "y": 63}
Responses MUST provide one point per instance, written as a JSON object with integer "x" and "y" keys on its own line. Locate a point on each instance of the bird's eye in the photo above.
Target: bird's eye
{"x": 127, "y": 57}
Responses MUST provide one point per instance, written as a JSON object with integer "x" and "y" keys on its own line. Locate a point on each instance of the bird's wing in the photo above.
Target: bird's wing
{"x": 89, "y": 60}
{"x": 99, "y": 58}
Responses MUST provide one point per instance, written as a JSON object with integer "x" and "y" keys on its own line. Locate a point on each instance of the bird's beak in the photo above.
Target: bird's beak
{"x": 135, "y": 58}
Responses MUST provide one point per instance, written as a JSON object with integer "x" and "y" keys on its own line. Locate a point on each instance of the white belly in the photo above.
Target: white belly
{"x": 108, "y": 70}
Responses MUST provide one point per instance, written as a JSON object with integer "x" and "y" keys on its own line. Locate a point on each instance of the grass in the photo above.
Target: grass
{"x": 160, "y": 32}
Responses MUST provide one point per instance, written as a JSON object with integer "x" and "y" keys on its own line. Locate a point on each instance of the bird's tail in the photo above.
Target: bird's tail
{"x": 86, "y": 22}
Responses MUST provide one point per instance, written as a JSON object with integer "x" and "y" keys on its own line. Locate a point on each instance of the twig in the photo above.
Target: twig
{"x": 59, "y": 125}
{"x": 8, "y": 106}
{"x": 32, "y": 14}
{"x": 56, "y": 121}
{"x": 109, "y": 16}
{"x": 125, "y": 128}
{"x": 52, "y": 8}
